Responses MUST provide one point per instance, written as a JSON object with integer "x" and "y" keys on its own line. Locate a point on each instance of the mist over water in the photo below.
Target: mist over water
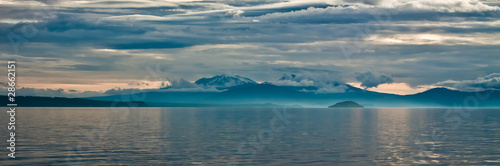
{"x": 221, "y": 136}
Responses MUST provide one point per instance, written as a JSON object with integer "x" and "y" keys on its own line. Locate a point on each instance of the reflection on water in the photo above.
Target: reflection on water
{"x": 212, "y": 136}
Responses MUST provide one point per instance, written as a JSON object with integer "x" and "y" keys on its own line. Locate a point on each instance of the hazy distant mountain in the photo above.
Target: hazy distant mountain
{"x": 241, "y": 91}
{"x": 225, "y": 81}
{"x": 160, "y": 97}
{"x": 346, "y": 104}
{"x": 263, "y": 95}
{"x": 32, "y": 101}
{"x": 448, "y": 97}
{"x": 257, "y": 94}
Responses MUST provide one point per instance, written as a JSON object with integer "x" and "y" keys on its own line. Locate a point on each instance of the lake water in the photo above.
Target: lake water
{"x": 240, "y": 136}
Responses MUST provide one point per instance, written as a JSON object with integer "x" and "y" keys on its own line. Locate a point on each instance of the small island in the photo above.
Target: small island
{"x": 346, "y": 104}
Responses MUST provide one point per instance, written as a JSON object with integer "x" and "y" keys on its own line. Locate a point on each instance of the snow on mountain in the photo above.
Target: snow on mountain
{"x": 225, "y": 81}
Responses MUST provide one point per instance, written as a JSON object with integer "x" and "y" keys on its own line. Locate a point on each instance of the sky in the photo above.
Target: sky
{"x": 88, "y": 47}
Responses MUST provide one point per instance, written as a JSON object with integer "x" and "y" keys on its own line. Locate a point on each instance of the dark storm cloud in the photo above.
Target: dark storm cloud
{"x": 373, "y": 79}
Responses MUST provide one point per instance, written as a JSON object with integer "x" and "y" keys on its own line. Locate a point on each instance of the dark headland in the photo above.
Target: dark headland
{"x": 346, "y": 104}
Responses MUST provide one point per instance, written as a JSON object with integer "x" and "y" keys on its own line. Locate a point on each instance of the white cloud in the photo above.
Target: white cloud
{"x": 139, "y": 17}
{"x": 331, "y": 88}
{"x": 235, "y": 13}
{"x": 383, "y": 8}
{"x": 294, "y": 83}
{"x": 180, "y": 84}
{"x": 325, "y": 82}
{"x": 436, "y": 39}
{"x": 121, "y": 3}
{"x": 491, "y": 81}
{"x": 450, "y": 6}
{"x": 430, "y": 5}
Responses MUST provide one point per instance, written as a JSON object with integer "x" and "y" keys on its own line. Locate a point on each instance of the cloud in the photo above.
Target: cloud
{"x": 293, "y": 80}
{"x": 383, "y": 11}
{"x": 120, "y": 91}
{"x": 150, "y": 45}
{"x": 24, "y": 91}
{"x": 183, "y": 85}
{"x": 436, "y": 39}
{"x": 331, "y": 88}
{"x": 491, "y": 81}
{"x": 120, "y": 4}
{"x": 325, "y": 82}
{"x": 445, "y": 5}
{"x": 430, "y": 5}
{"x": 419, "y": 41}
{"x": 84, "y": 67}
{"x": 8, "y": 57}
{"x": 373, "y": 79}
{"x": 179, "y": 84}
{"x": 294, "y": 83}
{"x": 68, "y": 22}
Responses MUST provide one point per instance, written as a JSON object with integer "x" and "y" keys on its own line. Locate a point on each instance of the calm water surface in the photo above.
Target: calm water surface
{"x": 239, "y": 136}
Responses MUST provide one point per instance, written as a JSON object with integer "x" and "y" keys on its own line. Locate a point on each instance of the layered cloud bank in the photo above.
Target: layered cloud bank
{"x": 323, "y": 42}
{"x": 488, "y": 82}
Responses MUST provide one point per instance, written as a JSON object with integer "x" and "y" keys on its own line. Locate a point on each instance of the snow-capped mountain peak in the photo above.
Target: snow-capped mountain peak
{"x": 224, "y": 81}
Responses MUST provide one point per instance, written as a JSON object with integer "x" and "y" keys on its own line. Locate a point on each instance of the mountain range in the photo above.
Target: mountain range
{"x": 237, "y": 91}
